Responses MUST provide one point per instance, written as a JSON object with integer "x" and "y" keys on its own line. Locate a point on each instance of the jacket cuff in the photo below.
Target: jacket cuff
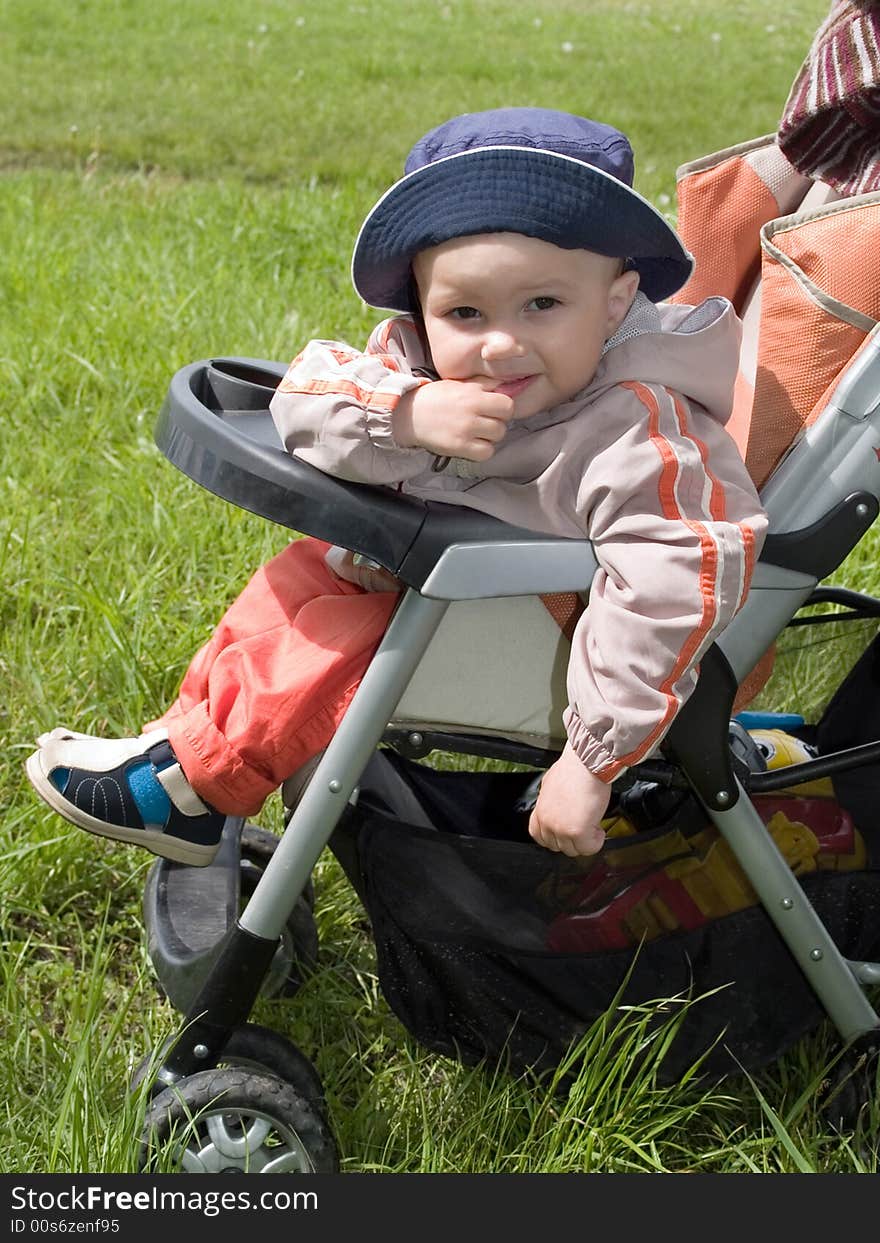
{"x": 592, "y": 753}
{"x": 381, "y": 406}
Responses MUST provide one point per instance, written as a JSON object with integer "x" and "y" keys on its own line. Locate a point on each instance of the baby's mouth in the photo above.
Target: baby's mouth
{"x": 514, "y": 386}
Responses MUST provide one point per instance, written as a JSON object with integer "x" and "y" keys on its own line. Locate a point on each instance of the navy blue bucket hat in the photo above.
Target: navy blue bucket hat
{"x": 547, "y": 174}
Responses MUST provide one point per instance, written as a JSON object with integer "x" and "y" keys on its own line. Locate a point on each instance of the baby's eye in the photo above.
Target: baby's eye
{"x": 543, "y": 303}
{"x": 464, "y": 312}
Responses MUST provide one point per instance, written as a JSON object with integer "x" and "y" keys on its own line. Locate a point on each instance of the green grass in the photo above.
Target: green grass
{"x": 274, "y": 90}
{"x": 179, "y": 182}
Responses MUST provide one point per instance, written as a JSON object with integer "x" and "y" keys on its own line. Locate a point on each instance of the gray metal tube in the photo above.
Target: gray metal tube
{"x": 339, "y": 771}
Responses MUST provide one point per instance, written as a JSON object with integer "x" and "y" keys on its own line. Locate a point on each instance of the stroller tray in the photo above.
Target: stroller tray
{"x": 216, "y": 428}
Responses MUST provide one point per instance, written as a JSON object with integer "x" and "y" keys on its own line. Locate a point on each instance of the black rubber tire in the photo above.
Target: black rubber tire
{"x": 262, "y": 1050}
{"x": 288, "y": 1135}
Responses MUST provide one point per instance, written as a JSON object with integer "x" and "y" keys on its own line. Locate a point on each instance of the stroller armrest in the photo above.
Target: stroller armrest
{"x": 216, "y": 428}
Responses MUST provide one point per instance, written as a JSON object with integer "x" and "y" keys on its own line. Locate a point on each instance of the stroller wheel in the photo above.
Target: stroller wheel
{"x": 260, "y": 1049}
{"x": 297, "y": 954}
{"x": 234, "y": 1121}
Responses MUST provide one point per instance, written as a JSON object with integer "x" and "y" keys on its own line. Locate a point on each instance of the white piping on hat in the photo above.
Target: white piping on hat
{"x": 444, "y": 159}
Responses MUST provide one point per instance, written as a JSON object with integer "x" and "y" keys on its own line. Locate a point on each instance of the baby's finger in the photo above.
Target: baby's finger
{"x": 496, "y": 406}
{"x": 590, "y": 843}
{"x": 542, "y": 834}
{"x": 490, "y": 429}
{"x": 478, "y": 450}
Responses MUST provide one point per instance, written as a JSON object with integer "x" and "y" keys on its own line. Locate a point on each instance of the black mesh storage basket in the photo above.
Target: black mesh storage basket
{"x": 490, "y": 947}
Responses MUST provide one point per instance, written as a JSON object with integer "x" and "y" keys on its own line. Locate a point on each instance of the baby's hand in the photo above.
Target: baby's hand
{"x": 570, "y": 806}
{"x": 352, "y": 568}
{"x": 452, "y": 418}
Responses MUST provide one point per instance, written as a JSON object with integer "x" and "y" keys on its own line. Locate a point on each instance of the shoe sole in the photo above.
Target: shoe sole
{"x": 173, "y": 848}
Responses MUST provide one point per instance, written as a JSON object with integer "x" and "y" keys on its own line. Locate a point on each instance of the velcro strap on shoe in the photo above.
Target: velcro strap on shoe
{"x": 179, "y": 790}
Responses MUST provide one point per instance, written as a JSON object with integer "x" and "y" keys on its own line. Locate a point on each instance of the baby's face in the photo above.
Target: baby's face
{"x": 520, "y": 316}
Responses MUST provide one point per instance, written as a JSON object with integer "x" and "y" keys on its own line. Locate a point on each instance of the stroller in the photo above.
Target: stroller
{"x": 730, "y": 844}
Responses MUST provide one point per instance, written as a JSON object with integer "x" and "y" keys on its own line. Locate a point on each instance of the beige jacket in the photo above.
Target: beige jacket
{"x": 638, "y": 462}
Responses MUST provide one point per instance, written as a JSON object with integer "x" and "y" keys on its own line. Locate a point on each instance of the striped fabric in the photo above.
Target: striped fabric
{"x": 830, "y": 127}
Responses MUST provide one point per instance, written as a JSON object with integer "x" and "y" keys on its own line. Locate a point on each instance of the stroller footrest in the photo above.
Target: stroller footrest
{"x": 187, "y": 913}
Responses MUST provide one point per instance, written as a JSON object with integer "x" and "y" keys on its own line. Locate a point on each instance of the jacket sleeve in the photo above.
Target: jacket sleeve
{"x": 676, "y": 550}
{"x": 333, "y": 408}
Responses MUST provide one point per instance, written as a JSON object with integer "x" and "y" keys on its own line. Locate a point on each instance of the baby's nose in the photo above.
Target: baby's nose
{"x": 501, "y": 343}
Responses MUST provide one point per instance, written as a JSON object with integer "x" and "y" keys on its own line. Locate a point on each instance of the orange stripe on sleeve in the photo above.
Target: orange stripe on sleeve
{"x": 717, "y": 499}
{"x": 708, "y": 574}
{"x": 748, "y": 538}
{"x": 400, "y": 324}
{"x": 345, "y": 388}
{"x": 389, "y": 361}
{"x": 343, "y": 355}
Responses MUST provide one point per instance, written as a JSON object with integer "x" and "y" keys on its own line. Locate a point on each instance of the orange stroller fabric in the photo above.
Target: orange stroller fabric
{"x": 740, "y": 215}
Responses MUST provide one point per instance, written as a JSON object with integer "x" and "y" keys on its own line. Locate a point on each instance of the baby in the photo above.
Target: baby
{"x": 533, "y": 372}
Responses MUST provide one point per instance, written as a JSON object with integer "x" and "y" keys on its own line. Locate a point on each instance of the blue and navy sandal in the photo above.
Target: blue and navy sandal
{"x": 128, "y": 789}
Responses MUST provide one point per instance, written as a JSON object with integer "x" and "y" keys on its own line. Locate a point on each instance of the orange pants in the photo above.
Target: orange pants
{"x": 270, "y": 687}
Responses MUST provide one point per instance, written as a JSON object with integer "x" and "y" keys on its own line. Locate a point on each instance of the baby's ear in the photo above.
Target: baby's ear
{"x": 620, "y": 298}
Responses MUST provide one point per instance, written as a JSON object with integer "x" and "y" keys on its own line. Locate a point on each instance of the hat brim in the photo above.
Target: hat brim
{"x": 512, "y": 190}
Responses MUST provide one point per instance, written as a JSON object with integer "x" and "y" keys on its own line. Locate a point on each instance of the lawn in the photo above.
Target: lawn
{"x": 180, "y": 181}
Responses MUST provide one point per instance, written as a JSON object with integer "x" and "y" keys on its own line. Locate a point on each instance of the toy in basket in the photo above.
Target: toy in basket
{"x": 640, "y": 889}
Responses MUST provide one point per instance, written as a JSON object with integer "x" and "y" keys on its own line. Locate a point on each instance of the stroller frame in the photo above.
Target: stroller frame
{"x": 215, "y": 427}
